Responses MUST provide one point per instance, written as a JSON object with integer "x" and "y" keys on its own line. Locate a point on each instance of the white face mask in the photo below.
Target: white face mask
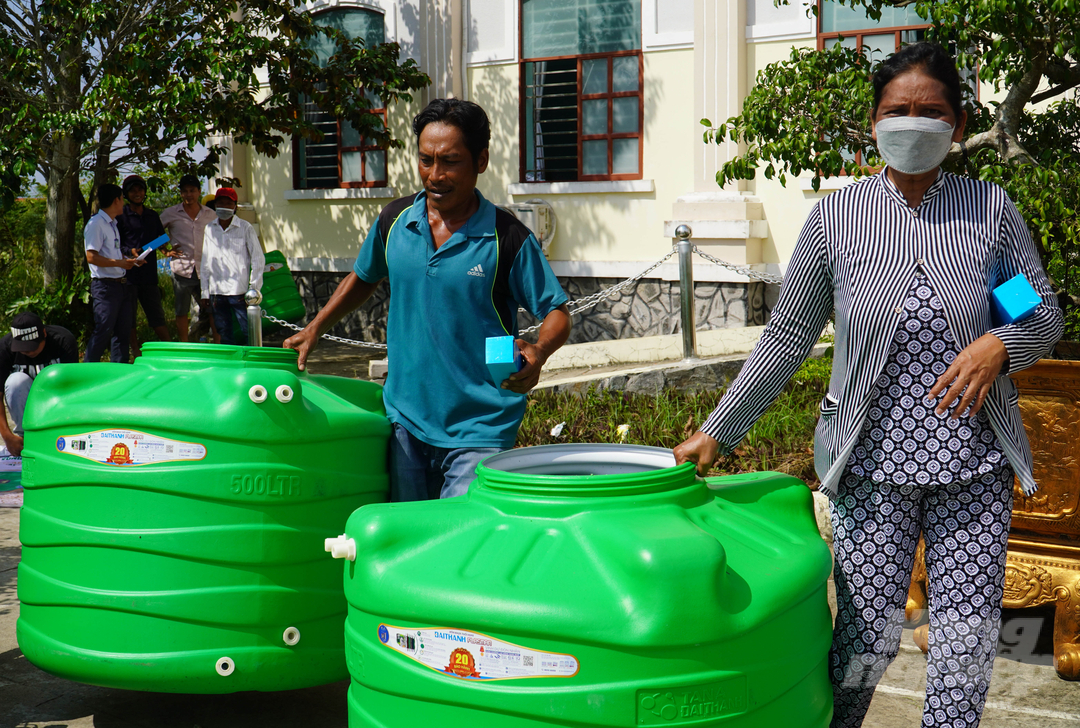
{"x": 913, "y": 144}
{"x": 224, "y": 213}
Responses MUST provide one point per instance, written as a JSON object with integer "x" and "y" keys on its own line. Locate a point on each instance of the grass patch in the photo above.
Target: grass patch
{"x": 782, "y": 440}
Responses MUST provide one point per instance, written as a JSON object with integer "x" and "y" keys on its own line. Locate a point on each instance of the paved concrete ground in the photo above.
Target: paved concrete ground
{"x": 1021, "y": 696}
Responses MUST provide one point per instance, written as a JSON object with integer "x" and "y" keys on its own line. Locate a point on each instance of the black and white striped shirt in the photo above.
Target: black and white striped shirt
{"x": 857, "y": 255}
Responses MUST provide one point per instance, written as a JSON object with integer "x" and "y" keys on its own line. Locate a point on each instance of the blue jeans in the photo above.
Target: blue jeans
{"x": 225, "y": 309}
{"x": 419, "y": 471}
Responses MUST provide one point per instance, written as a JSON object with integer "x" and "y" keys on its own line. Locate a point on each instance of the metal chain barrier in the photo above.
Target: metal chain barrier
{"x": 328, "y": 337}
{"x": 740, "y": 269}
{"x": 579, "y": 306}
{"x": 584, "y": 304}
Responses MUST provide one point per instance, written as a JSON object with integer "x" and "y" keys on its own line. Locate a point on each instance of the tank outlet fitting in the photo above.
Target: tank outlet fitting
{"x": 257, "y": 394}
{"x": 341, "y": 547}
{"x": 284, "y": 393}
{"x": 291, "y": 636}
{"x": 224, "y": 666}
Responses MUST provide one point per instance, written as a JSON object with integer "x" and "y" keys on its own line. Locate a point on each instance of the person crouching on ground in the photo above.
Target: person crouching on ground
{"x": 30, "y": 347}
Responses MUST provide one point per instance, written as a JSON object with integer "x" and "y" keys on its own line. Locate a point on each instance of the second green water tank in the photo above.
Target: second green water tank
{"x": 174, "y": 517}
{"x": 590, "y": 585}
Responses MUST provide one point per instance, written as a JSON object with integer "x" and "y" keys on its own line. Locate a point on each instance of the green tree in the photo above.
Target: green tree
{"x": 811, "y": 112}
{"x": 87, "y": 88}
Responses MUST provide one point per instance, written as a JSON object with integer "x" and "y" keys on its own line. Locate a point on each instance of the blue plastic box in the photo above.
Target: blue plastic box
{"x": 1014, "y": 300}
{"x": 503, "y": 359}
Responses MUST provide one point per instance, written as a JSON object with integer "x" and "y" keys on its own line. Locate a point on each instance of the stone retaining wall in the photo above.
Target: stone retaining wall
{"x": 649, "y": 307}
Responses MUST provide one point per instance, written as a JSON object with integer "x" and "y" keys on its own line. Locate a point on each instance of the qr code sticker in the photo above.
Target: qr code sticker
{"x": 527, "y": 661}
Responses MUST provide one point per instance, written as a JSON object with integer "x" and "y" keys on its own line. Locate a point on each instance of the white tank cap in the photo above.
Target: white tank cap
{"x": 341, "y": 547}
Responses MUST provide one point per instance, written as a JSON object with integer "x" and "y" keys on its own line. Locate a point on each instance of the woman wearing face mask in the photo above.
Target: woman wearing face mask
{"x": 920, "y": 430}
{"x": 232, "y": 262}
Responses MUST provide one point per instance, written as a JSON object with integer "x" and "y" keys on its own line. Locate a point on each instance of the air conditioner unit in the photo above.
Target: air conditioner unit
{"x": 537, "y": 215}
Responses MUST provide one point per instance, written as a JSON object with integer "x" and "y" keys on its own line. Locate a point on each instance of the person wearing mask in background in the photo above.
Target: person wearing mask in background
{"x": 920, "y": 431}
{"x": 232, "y": 263}
{"x": 112, "y": 304}
{"x": 138, "y": 226}
{"x": 186, "y": 224}
{"x": 30, "y": 347}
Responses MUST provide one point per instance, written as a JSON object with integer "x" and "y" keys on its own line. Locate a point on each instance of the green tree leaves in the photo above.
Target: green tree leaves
{"x": 125, "y": 83}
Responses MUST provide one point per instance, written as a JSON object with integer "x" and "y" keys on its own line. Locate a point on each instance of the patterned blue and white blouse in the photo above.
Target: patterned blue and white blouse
{"x": 856, "y": 257}
{"x": 905, "y": 441}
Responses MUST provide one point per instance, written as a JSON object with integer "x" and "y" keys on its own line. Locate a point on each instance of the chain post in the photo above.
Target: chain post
{"x": 686, "y": 291}
{"x": 254, "y": 317}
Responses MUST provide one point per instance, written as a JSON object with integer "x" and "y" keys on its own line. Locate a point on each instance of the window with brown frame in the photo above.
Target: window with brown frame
{"x": 581, "y": 90}
{"x": 343, "y": 157}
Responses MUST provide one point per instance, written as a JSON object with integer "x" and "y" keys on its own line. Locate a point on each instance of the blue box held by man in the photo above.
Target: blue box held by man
{"x": 503, "y": 359}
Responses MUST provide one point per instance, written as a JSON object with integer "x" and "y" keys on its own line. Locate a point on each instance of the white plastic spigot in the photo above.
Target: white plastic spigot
{"x": 341, "y": 547}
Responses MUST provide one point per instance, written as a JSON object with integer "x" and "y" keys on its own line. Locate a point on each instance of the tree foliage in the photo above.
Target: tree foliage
{"x": 811, "y": 113}
{"x": 91, "y": 87}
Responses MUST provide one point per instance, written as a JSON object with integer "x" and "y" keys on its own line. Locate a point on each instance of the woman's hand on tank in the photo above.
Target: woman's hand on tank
{"x": 699, "y": 449}
{"x": 533, "y": 359}
{"x": 304, "y": 342}
{"x": 970, "y": 377}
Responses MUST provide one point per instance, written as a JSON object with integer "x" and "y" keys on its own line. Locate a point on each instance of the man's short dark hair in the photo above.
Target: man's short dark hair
{"x": 470, "y": 118}
{"x": 107, "y": 194}
{"x": 189, "y": 180}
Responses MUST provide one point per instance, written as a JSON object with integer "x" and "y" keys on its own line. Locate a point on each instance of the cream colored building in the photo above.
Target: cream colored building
{"x": 595, "y": 109}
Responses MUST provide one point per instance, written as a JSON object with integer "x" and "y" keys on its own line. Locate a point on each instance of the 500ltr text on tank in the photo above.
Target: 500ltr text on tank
{"x": 265, "y": 484}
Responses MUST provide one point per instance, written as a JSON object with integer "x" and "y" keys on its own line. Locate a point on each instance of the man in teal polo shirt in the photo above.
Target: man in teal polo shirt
{"x": 459, "y": 268}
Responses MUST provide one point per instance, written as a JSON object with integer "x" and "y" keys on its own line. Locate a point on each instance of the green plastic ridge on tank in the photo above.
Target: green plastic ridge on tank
{"x": 591, "y": 585}
{"x": 194, "y": 561}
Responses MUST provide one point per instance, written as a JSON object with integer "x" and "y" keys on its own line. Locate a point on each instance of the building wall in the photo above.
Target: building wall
{"x": 602, "y": 226}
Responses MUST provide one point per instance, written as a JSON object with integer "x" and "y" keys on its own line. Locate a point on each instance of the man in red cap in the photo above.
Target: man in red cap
{"x": 30, "y": 347}
{"x": 232, "y": 262}
{"x": 138, "y": 226}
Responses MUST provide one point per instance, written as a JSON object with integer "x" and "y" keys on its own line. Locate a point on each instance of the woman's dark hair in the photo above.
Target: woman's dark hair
{"x": 106, "y": 194}
{"x": 931, "y": 59}
{"x": 470, "y": 118}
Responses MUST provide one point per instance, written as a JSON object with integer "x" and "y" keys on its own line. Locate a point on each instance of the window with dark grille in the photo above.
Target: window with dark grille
{"x": 343, "y": 157}
{"x": 581, "y": 90}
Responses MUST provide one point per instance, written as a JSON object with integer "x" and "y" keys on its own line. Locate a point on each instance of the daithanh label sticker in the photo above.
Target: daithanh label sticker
{"x": 128, "y": 447}
{"x": 474, "y": 656}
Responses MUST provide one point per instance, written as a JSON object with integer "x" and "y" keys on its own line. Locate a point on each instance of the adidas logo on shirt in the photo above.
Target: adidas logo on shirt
{"x": 477, "y": 271}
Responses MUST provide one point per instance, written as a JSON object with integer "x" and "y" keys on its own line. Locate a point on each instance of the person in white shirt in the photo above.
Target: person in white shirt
{"x": 186, "y": 224}
{"x": 112, "y": 300}
{"x": 232, "y": 263}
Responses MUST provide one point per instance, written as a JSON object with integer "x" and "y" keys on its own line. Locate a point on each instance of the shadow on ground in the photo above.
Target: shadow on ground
{"x": 30, "y": 698}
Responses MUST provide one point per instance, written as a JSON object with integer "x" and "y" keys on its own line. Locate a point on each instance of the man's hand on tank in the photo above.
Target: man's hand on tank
{"x": 304, "y": 342}
{"x": 699, "y": 449}
{"x": 14, "y": 444}
{"x": 529, "y": 375}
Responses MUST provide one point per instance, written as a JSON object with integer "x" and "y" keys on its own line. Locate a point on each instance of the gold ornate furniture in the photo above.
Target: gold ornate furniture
{"x": 1044, "y": 541}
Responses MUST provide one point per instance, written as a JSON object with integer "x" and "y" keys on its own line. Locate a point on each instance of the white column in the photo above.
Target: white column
{"x": 719, "y": 79}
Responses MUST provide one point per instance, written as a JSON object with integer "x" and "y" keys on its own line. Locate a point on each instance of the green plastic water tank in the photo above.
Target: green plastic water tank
{"x": 174, "y": 516}
{"x": 281, "y": 298}
{"x": 590, "y": 585}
